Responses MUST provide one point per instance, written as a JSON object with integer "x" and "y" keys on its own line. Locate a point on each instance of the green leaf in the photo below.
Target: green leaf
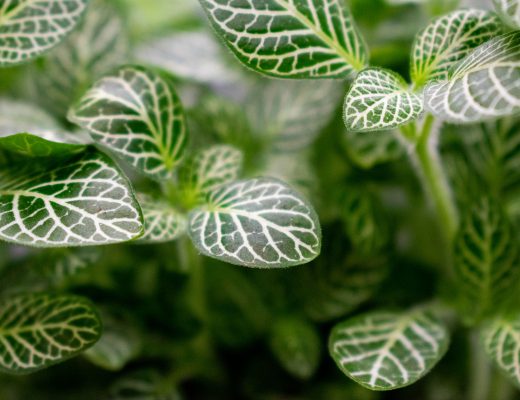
{"x": 86, "y": 201}
{"x": 509, "y": 11}
{"x": 291, "y": 114}
{"x": 144, "y": 385}
{"x": 162, "y": 222}
{"x": 281, "y": 38}
{"x": 28, "y": 28}
{"x": 501, "y": 339}
{"x": 379, "y": 99}
{"x": 296, "y": 344}
{"x": 61, "y": 265}
{"x": 208, "y": 170}
{"x": 486, "y": 259}
{"x": 386, "y": 350}
{"x": 259, "y": 223}
{"x": 39, "y": 330}
{"x": 447, "y": 40}
{"x": 485, "y": 85}
{"x": 367, "y": 150}
{"x": 136, "y": 113}
{"x": 28, "y": 145}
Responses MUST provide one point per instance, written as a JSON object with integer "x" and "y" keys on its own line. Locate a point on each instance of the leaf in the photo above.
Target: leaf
{"x": 288, "y": 39}
{"x": 28, "y": 28}
{"x": 259, "y": 223}
{"x": 509, "y": 11}
{"x": 143, "y": 385}
{"x": 386, "y": 350}
{"x": 449, "y": 39}
{"x": 379, "y": 99}
{"x": 486, "y": 259}
{"x": 208, "y": 170}
{"x": 64, "y": 264}
{"x": 19, "y": 117}
{"x": 501, "y": 339}
{"x": 367, "y": 150}
{"x": 162, "y": 222}
{"x": 136, "y": 113}
{"x": 39, "y": 330}
{"x": 296, "y": 344}
{"x": 291, "y": 114}
{"x": 28, "y": 145}
{"x": 86, "y": 201}
{"x": 485, "y": 85}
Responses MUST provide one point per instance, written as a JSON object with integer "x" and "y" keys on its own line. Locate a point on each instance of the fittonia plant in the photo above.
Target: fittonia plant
{"x": 136, "y": 163}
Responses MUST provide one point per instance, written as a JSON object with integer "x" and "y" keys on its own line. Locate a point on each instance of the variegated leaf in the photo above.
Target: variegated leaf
{"x": 86, "y": 201}
{"x": 257, "y": 223}
{"x": 136, "y": 113}
{"x": 380, "y": 99}
{"x": 385, "y": 350}
{"x": 485, "y": 85}
{"x": 29, "y": 28}
{"x": 39, "y": 330}
{"x": 447, "y": 40}
{"x": 288, "y": 38}
{"x": 509, "y": 11}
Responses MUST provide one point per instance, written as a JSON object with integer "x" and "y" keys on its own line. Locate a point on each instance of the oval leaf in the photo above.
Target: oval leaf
{"x": 257, "y": 223}
{"x": 385, "y": 351}
{"x": 288, "y": 39}
{"x": 28, "y": 145}
{"x": 86, "y": 201}
{"x": 485, "y": 85}
{"x": 136, "y": 113}
{"x": 447, "y": 40}
{"x": 378, "y": 100}
{"x": 39, "y": 330}
{"x": 509, "y": 11}
{"x": 29, "y": 28}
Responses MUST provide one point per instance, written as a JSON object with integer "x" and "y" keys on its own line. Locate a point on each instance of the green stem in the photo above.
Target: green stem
{"x": 480, "y": 369}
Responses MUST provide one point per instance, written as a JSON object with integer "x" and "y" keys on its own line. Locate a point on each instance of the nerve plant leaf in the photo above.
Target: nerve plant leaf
{"x": 501, "y": 340}
{"x": 29, "y": 28}
{"x": 39, "y": 330}
{"x": 86, "y": 201}
{"x": 290, "y": 39}
{"x": 509, "y": 11}
{"x": 257, "y": 223}
{"x": 367, "y": 150}
{"x": 485, "y": 85}
{"x": 486, "y": 259}
{"x": 447, "y": 40}
{"x": 386, "y": 350}
{"x": 162, "y": 222}
{"x": 136, "y": 113}
{"x": 380, "y": 99}
{"x": 28, "y": 145}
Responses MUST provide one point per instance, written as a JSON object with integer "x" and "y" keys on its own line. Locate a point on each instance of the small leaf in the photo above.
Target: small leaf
{"x": 367, "y": 150}
{"x": 208, "y": 170}
{"x": 162, "y": 222}
{"x": 39, "y": 330}
{"x": 287, "y": 39}
{"x": 28, "y": 145}
{"x": 28, "y": 28}
{"x": 379, "y": 100}
{"x": 136, "y": 113}
{"x": 509, "y": 11}
{"x": 257, "y": 223}
{"x": 385, "y": 351}
{"x": 143, "y": 385}
{"x": 501, "y": 340}
{"x": 485, "y": 85}
{"x": 86, "y": 201}
{"x": 486, "y": 259}
{"x": 296, "y": 344}
{"x": 447, "y": 40}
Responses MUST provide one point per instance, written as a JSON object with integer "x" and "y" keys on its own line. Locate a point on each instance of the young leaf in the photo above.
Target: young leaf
{"x": 447, "y": 40}
{"x": 296, "y": 344}
{"x": 385, "y": 351}
{"x": 208, "y": 170}
{"x": 28, "y": 28}
{"x": 485, "y": 85}
{"x": 289, "y": 39}
{"x": 162, "y": 222}
{"x": 379, "y": 99}
{"x": 509, "y": 11}
{"x": 85, "y": 201}
{"x": 259, "y": 223}
{"x": 39, "y": 330}
{"x": 136, "y": 113}
{"x": 486, "y": 259}
{"x": 367, "y": 150}
{"x": 501, "y": 340}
